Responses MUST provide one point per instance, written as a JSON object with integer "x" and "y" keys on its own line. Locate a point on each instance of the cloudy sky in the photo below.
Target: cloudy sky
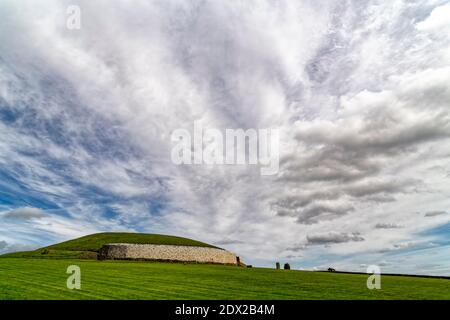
{"x": 358, "y": 89}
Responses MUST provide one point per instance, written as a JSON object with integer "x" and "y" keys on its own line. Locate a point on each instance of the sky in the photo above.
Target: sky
{"x": 359, "y": 91}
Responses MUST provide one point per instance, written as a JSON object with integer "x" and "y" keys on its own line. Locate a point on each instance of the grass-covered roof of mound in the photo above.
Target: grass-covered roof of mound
{"x": 94, "y": 242}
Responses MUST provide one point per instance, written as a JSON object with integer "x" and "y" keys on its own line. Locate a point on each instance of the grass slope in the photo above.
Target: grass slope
{"x": 94, "y": 242}
{"x": 51, "y": 254}
{"x": 82, "y": 248}
{"x": 46, "y": 279}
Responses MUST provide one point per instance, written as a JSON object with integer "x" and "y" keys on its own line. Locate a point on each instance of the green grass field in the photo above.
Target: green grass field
{"x": 41, "y": 274}
{"x": 22, "y": 278}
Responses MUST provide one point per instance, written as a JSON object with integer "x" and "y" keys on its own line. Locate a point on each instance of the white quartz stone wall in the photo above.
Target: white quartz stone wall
{"x": 166, "y": 252}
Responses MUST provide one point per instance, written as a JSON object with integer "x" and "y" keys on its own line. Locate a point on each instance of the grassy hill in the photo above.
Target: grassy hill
{"x": 94, "y": 242}
{"x": 86, "y": 247}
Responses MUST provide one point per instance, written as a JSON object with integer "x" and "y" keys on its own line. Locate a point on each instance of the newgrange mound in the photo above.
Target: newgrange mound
{"x": 133, "y": 246}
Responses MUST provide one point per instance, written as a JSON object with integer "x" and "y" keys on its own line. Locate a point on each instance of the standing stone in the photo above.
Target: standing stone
{"x": 287, "y": 266}
{"x": 278, "y": 265}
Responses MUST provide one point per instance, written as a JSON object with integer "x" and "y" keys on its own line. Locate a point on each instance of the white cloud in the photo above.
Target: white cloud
{"x": 438, "y": 19}
{"x": 359, "y": 92}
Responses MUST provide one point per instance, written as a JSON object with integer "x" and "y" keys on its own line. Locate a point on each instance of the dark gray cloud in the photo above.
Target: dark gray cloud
{"x": 293, "y": 256}
{"x": 297, "y": 247}
{"x": 309, "y": 214}
{"x": 228, "y": 241}
{"x": 328, "y": 164}
{"x": 435, "y": 213}
{"x": 402, "y": 245}
{"x": 388, "y": 226}
{"x": 317, "y": 213}
{"x": 384, "y": 133}
{"x": 333, "y": 238}
{"x": 304, "y": 198}
{"x": 377, "y": 188}
{"x": 308, "y": 206}
{"x": 25, "y": 213}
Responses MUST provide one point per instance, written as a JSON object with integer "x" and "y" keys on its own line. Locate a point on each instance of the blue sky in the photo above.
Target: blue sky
{"x": 358, "y": 89}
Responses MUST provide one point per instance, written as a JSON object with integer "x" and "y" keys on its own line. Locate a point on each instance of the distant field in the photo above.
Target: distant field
{"x": 24, "y": 278}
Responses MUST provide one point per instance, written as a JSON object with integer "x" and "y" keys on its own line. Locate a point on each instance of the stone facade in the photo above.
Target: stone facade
{"x": 128, "y": 251}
